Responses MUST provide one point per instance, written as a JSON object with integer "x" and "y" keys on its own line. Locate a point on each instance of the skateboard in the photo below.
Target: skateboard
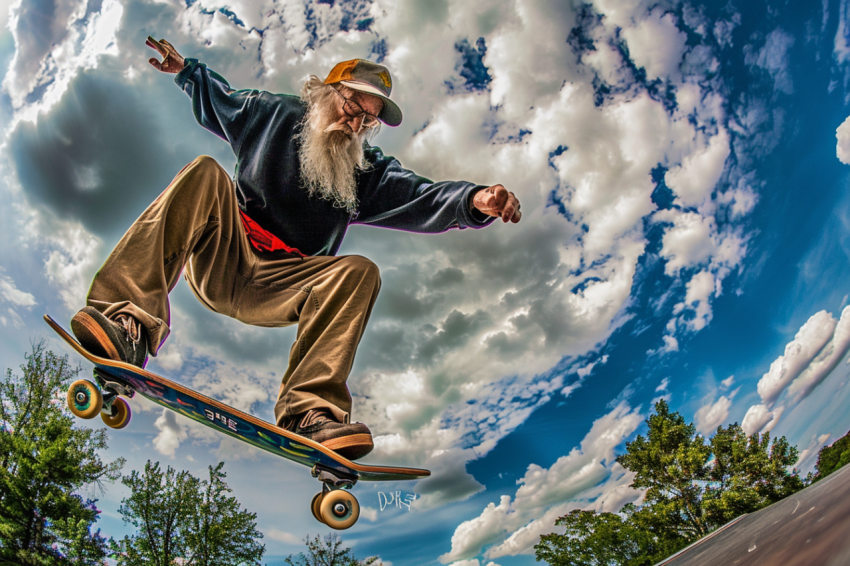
{"x": 113, "y": 381}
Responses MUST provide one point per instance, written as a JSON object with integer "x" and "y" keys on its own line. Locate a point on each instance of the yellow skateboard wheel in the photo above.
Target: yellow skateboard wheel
{"x": 339, "y": 509}
{"x": 120, "y": 414}
{"x": 316, "y": 506}
{"x": 84, "y": 399}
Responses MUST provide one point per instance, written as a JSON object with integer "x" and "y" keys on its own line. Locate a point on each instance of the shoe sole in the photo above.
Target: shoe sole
{"x": 353, "y": 443}
{"x": 82, "y": 323}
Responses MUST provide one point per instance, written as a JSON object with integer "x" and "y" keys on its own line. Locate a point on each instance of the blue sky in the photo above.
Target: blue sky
{"x": 683, "y": 173}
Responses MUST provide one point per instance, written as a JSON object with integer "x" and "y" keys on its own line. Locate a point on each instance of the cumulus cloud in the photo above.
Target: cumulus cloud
{"x": 9, "y": 293}
{"x": 171, "y": 433}
{"x": 818, "y": 347}
{"x": 710, "y": 416}
{"x": 571, "y": 477}
{"x": 842, "y": 134}
{"x": 808, "y": 342}
{"x": 694, "y": 180}
{"x": 657, "y": 44}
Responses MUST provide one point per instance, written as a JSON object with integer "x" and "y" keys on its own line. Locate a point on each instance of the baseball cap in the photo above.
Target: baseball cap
{"x": 371, "y": 78}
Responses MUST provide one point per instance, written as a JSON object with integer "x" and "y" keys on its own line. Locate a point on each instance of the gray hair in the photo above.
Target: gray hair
{"x": 329, "y": 160}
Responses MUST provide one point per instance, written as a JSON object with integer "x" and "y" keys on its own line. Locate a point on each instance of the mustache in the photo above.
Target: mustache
{"x": 337, "y": 127}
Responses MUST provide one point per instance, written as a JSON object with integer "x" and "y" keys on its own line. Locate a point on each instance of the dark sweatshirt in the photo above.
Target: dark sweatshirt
{"x": 261, "y": 127}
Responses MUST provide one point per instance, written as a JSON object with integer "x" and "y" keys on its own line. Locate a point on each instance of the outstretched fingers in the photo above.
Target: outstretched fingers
{"x": 171, "y": 62}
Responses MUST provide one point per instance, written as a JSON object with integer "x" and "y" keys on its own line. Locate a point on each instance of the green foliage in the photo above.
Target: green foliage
{"x": 45, "y": 462}
{"x": 181, "y": 518}
{"x": 220, "y": 533}
{"x": 833, "y": 457}
{"x": 328, "y": 552}
{"x": 692, "y": 486}
{"x": 595, "y": 539}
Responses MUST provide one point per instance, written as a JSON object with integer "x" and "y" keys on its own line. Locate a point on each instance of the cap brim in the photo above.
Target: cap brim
{"x": 390, "y": 114}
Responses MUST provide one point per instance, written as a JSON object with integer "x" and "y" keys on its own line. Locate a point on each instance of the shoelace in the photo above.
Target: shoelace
{"x": 314, "y": 417}
{"x": 132, "y": 329}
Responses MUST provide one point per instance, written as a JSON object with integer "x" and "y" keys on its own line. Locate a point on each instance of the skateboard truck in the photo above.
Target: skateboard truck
{"x": 111, "y": 390}
{"x": 330, "y": 477}
{"x": 334, "y": 506}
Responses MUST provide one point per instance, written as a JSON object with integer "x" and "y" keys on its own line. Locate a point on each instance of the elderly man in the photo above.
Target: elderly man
{"x": 261, "y": 247}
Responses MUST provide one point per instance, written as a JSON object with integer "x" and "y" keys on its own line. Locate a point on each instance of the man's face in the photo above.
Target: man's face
{"x": 353, "y": 124}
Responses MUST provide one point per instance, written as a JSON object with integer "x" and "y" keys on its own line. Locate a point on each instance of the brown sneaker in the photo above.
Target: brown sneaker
{"x": 121, "y": 338}
{"x": 349, "y": 440}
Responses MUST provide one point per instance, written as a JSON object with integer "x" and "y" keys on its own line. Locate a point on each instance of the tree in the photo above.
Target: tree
{"x": 833, "y": 457}
{"x": 220, "y": 533}
{"x": 157, "y": 506}
{"x": 328, "y": 552}
{"x": 180, "y": 517}
{"x": 595, "y": 539}
{"x": 45, "y": 462}
{"x": 692, "y": 486}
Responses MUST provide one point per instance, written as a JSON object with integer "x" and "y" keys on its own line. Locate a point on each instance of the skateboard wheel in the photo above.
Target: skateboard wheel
{"x": 316, "y": 506}
{"x": 84, "y": 399}
{"x": 120, "y": 416}
{"x": 339, "y": 509}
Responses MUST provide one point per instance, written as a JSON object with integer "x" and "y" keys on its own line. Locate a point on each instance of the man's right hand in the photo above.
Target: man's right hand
{"x": 172, "y": 62}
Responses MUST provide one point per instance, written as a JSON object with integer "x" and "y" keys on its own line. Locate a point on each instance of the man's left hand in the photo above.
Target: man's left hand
{"x": 498, "y": 201}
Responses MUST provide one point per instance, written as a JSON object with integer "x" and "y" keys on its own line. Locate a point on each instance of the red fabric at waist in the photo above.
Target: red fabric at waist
{"x": 264, "y": 240}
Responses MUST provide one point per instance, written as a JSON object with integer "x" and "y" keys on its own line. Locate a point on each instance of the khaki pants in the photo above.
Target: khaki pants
{"x": 195, "y": 224}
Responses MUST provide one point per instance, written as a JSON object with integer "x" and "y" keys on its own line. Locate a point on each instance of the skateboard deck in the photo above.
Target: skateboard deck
{"x": 332, "y": 469}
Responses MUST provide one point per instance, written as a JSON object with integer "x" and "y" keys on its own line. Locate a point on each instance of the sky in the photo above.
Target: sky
{"x": 683, "y": 173}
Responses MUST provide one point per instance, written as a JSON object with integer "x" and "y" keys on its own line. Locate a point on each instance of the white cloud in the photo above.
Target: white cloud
{"x": 69, "y": 39}
{"x": 571, "y": 477}
{"x": 817, "y": 349}
{"x": 688, "y": 242}
{"x": 710, "y": 416}
{"x": 694, "y": 180}
{"x": 72, "y": 261}
{"x": 670, "y": 345}
{"x": 171, "y": 433}
{"x": 10, "y": 293}
{"x": 842, "y": 149}
{"x": 756, "y": 419}
{"x": 809, "y": 340}
{"x": 656, "y": 44}
{"x": 825, "y": 361}
{"x": 809, "y": 455}
{"x": 699, "y": 290}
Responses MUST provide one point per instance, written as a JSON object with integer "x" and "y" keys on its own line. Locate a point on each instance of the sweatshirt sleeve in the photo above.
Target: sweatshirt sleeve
{"x": 394, "y": 197}
{"x": 217, "y": 107}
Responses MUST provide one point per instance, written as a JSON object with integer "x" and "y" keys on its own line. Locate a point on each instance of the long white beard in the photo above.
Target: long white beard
{"x": 330, "y": 159}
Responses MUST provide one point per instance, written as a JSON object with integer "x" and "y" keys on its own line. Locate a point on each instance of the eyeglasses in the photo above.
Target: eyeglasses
{"x": 354, "y": 110}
